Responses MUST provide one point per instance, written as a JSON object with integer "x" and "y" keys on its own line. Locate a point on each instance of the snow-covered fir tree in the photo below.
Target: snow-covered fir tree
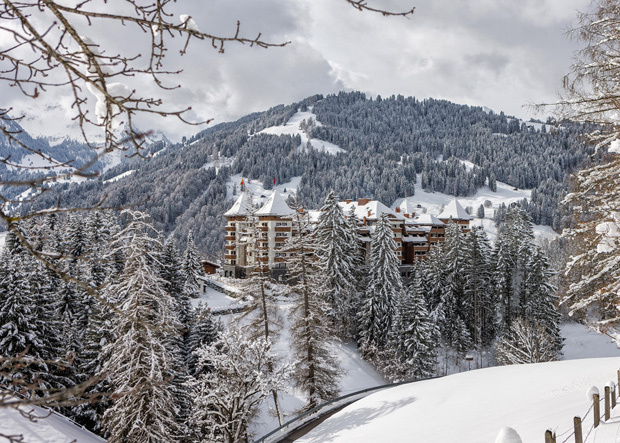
{"x": 593, "y": 296}
{"x": 478, "y": 289}
{"x": 315, "y": 369}
{"x": 139, "y": 364}
{"x": 539, "y": 297}
{"x": 192, "y": 267}
{"x": 511, "y": 249}
{"x": 204, "y": 330}
{"x": 384, "y": 290}
{"x": 336, "y": 249}
{"x": 413, "y": 337}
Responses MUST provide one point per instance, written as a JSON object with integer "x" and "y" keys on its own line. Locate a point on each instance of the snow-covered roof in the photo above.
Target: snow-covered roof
{"x": 242, "y": 206}
{"x": 371, "y": 210}
{"x": 455, "y": 211}
{"x": 427, "y": 219}
{"x": 407, "y": 207}
{"x": 275, "y": 205}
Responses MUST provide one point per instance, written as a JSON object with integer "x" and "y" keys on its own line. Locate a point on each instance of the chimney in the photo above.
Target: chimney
{"x": 348, "y": 201}
{"x": 369, "y": 212}
{"x": 364, "y": 221}
{"x": 397, "y": 210}
{"x": 362, "y": 201}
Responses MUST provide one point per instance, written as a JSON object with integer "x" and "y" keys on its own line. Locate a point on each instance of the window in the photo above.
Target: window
{"x": 281, "y": 234}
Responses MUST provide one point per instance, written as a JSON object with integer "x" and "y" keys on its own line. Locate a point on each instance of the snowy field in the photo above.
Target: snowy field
{"x": 2, "y": 237}
{"x": 292, "y": 128}
{"x": 474, "y": 406}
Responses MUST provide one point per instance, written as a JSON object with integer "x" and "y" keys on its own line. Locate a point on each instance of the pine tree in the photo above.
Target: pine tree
{"x": 204, "y": 331}
{"x": 315, "y": 371}
{"x": 385, "y": 288}
{"x": 192, "y": 267}
{"x": 336, "y": 250}
{"x": 478, "y": 289}
{"x": 455, "y": 305}
{"x": 413, "y": 334}
{"x": 511, "y": 249}
{"x": 538, "y": 296}
{"x": 139, "y": 365}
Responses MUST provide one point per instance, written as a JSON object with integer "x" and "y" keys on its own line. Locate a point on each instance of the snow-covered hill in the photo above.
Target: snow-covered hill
{"x": 474, "y": 406}
{"x": 293, "y": 127}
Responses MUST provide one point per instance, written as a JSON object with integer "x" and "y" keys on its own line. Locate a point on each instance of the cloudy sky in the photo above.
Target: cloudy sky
{"x": 502, "y": 54}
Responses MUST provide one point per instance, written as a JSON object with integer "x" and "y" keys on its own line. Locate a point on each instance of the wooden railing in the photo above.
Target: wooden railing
{"x": 609, "y": 399}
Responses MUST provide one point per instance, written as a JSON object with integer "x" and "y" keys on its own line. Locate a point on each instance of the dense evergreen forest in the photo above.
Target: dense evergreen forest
{"x": 390, "y": 143}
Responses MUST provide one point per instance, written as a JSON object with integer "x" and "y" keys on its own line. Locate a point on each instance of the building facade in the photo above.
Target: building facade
{"x": 256, "y": 237}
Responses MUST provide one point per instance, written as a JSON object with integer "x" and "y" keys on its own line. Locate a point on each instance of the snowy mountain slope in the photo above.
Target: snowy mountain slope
{"x": 292, "y": 127}
{"x": 474, "y": 406}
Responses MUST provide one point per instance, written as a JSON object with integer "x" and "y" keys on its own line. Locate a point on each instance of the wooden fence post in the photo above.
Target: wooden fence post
{"x": 613, "y": 396}
{"x": 597, "y": 409}
{"x": 607, "y": 404}
{"x": 549, "y": 436}
{"x": 578, "y": 433}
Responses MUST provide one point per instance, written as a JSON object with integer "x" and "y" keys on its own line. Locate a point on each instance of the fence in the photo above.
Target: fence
{"x": 610, "y": 397}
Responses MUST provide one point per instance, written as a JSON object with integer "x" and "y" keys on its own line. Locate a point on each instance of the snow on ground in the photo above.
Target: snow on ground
{"x": 33, "y": 161}
{"x": 474, "y": 406}
{"x": 214, "y": 299}
{"x": 581, "y": 342}
{"x": 292, "y": 128}
{"x": 120, "y": 176}
{"x": 2, "y": 237}
{"x": 260, "y": 194}
{"x": 52, "y": 429}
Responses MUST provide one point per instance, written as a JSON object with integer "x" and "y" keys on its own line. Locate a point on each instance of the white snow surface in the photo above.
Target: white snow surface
{"x": 120, "y": 176}
{"x": 2, "y": 237}
{"x": 53, "y": 429}
{"x": 292, "y": 128}
{"x": 473, "y": 406}
{"x": 215, "y": 300}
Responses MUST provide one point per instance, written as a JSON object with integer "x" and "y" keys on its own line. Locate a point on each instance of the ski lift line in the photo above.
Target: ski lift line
{"x": 339, "y": 402}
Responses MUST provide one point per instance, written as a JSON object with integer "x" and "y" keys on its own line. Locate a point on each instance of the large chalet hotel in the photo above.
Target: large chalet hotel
{"x": 414, "y": 234}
